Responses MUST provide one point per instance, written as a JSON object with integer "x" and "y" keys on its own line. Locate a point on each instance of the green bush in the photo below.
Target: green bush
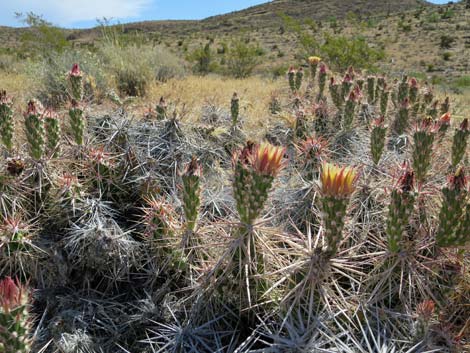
{"x": 203, "y": 59}
{"x": 242, "y": 58}
{"x": 462, "y": 82}
{"x": 135, "y": 67}
{"x": 43, "y": 39}
{"x": 343, "y": 52}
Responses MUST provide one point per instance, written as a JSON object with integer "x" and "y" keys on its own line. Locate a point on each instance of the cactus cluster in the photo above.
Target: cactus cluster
{"x": 274, "y": 247}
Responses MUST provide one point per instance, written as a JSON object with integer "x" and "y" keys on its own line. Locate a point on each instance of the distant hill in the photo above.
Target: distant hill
{"x": 410, "y": 30}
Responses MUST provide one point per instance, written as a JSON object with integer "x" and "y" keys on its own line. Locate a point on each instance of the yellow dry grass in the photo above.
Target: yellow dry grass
{"x": 191, "y": 93}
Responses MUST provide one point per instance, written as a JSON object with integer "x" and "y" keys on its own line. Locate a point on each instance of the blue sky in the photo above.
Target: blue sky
{"x": 83, "y": 13}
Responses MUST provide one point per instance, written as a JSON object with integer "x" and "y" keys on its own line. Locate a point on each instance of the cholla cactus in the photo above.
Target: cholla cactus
{"x": 423, "y": 138}
{"x": 191, "y": 192}
{"x": 161, "y": 109}
{"x": 299, "y": 75}
{"x": 313, "y": 62}
{"x": 400, "y": 210}
{"x": 34, "y": 128}
{"x": 377, "y": 139}
{"x": 77, "y": 122}
{"x": 75, "y": 79}
{"x": 235, "y": 108}
{"x": 6, "y": 120}
{"x": 371, "y": 89}
{"x": 350, "y": 108}
{"x": 413, "y": 90}
{"x": 312, "y": 151}
{"x": 291, "y": 75}
{"x": 402, "y": 120}
{"x": 14, "y": 317}
{"x": 384, "y": 98}
{"x": 337, "y": 186}
{"x": 255, "y": 169}
{"x": 52, "y": 132}
{"x": 454, "y": 196}
{"x": 459, "y": 144}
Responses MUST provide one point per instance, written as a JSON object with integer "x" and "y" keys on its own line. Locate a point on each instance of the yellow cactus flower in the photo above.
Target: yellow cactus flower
{"x": 267, "y": 159}
{"x": 337, "y": 181}
{"x": 314, "y": 60}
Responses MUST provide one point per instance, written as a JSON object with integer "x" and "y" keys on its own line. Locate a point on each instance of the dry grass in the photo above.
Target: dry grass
{"x": 193, "y": 92}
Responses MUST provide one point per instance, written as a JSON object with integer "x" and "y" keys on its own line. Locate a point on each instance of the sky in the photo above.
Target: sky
{"x": 84, "y": 13}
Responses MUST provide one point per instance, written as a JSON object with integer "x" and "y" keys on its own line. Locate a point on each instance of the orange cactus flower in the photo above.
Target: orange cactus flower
{"x": 338, "y": 181}
{"x": 445, "y": 118}
{"x": 267, "y": 159}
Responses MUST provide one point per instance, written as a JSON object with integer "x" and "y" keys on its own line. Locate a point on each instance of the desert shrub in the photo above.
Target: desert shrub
{"x": 43, "y": 39}
{"x": 242, "y": 59}
{"x": 343, "y": 52}
{"x": 202, "y": 57}
{"x": 446, "y": 55}
{"x": 135, "y": 67}
{"x": 446, "y": 41}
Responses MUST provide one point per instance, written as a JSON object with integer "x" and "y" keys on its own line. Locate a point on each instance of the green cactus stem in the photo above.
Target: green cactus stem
{"x": 77, "y": 122}
{"x": 400, "y": 210}
{"x": 377, "y": 139}
{"x": 6, "y": 121}
{"x": 454, "y": 196}
{"x": 34, "y": 129}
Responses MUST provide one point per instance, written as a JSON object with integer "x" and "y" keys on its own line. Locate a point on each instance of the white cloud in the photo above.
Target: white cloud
{"x": 68, "y": 12}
